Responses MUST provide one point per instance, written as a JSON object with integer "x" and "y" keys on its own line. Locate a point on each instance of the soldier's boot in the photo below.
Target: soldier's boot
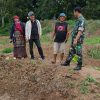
{"x": 66, "y": 63}
{"x": 78, "y": 67}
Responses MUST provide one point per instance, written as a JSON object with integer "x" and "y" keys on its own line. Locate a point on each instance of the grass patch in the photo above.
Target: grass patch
{"x": 97, "y": 68}
{"x": 92, "y": 26}
{"x": 46, "y": 39}
{"x": 4, "y": 31}
{"x": 84, "y": 89}
{"x": 94, "y": 53}
{"x": 7, "y": 50}
{"x": 48, "y": 25}
{"x": 92, "y": 40}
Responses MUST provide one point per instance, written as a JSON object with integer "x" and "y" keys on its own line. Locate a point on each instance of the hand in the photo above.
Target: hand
{"x": 11, "y": 41}
{"x": 66, "y": 41}
{"x": 75, "y": 42}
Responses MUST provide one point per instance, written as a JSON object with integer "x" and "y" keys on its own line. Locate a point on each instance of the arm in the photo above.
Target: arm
{"x": 78, "y": 35}
{"x": 80, "y": 32}
{"x": 26, "y": 31}
{"x": 12, "y": 32}
{"x": 54, "y": 33}
{"x": 39, "y": 28}
{"x": 24, "y": 27}
{"x": 67, "y": 34}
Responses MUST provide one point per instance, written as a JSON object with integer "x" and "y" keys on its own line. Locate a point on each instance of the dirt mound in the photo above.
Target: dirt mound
{"x": 29, "y": 80}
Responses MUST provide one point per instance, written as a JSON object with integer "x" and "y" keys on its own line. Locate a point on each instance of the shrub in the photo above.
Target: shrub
{"x": 7, "y": 50}
{"x": 94, "y": 52}
{"x": 84, "y": 88}
{"x": 4, "y": 31}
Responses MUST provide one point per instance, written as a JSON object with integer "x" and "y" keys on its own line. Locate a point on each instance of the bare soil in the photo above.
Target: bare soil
{"x": 40, "y": 80}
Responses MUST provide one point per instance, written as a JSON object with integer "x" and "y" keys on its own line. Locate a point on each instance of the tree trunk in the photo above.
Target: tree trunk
{"x": 3, "y": 22}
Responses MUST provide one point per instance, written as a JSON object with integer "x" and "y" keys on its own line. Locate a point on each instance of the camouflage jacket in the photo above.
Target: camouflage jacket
{"x": 79, "y": 26}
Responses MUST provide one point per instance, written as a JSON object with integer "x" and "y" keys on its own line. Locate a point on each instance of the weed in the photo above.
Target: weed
{"x": 92, "y": 40}
{"x": 90, "y": 79}
{"x": 94, "y": 52}
{"x": 71, "y": 71}
{"x": 97, "y": 68}
{"x": 33, "y": 62}
{"x": 46, "y": 39}
{"x": 84, "y": 89}
{"x": 7, "y": 50}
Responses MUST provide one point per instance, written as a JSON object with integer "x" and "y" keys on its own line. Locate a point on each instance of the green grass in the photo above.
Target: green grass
{"x": 4, "y": 31}
{"x": 4, "y": 41}
{"x": 84, "y": 88}
{"x": 92, "y": 26}
{"x": 92, "y": 40}
{"x": 7, "y": 50}
{"x": 97, "y": 68}
{"x": 47, "y": 39}
{"x": 48, "y": 26}
{"x": 71, "y": 23}
{"x": 94, "y": 53}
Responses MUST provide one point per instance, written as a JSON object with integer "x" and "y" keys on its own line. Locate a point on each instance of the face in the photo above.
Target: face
{"x": 32, "y": 18}
{"x": 62, "y": 19}
{"x": 16, "y": 20}
{"x": 76, "y": 14}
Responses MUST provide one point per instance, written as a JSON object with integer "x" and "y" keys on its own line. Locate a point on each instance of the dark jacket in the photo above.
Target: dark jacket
{"x": 13, "y": 30}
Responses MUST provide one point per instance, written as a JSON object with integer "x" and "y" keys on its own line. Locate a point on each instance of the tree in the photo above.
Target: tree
{"x": 3, "y": 10}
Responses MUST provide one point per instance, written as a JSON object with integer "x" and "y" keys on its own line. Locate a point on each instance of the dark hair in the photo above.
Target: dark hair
{"x": 78, "y": 9}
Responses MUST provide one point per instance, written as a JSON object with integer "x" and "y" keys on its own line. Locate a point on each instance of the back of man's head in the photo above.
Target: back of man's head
{"x": 78, "y": 9}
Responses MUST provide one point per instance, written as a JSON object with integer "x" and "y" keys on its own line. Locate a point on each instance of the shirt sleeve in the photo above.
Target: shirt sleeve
{"x": 12, "y": 32}
{"x": 81, "y": 26}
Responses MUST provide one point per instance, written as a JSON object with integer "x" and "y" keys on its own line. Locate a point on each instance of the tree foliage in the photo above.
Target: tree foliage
{"x": 47, "y": 9}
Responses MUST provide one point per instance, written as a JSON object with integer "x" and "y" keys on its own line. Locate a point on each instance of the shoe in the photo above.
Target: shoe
{"x": 78, "y": 68}
{"x": 43, "y": 58}
{"x": 66, "y": 64}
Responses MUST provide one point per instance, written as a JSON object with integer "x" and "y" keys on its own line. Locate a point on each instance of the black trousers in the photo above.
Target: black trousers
{"x": 38, "y": 44}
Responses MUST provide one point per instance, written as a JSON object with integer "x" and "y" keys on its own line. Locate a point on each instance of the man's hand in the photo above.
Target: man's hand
{"x": 75, "y": 42}
{"x": 11, "y": 41}
{"x": 66, "y": 41}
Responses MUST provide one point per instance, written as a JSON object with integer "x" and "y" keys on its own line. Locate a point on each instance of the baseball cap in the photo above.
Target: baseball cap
{"x": 62, "y": 15}
{"x": 31, "y": 13}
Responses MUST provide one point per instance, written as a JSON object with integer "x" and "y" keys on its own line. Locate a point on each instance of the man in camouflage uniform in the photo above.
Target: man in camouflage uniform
{"x": 77, "y": 39}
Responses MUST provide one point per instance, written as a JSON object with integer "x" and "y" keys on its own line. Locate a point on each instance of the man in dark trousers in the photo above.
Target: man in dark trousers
{"x": 33, "y": 33}
{"x": 77, "y": 39}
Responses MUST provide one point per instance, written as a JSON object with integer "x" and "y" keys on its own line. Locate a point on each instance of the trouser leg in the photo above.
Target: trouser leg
{"x": 71, "y": 54}
{"x": 40, "y": 50}
{"x": 79, "y": 53}
{"x": 31, "y": 48}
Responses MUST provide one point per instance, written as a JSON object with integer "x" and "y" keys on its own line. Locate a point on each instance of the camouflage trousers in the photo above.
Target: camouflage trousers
{"x": 75, "y": 50}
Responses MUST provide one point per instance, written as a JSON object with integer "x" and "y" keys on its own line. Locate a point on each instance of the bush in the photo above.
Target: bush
{"x": 4, "y": 31}
{"x": 92, "y": 40}
{"x": 84, "y": 88}
{"x": 7, "y": 50}
{"x": 94, "y": 52}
